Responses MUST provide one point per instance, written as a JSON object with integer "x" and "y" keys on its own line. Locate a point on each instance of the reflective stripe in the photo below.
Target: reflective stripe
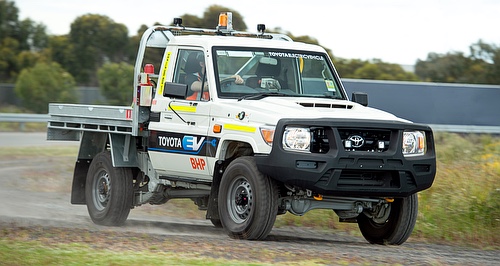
{"x": 183, "y": 108}
{"x": 164, "y": 73}
{"x": 240, "y": 128}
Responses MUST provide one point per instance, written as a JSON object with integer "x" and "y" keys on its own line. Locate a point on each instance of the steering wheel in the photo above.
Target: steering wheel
{"x": 227, "y": 82}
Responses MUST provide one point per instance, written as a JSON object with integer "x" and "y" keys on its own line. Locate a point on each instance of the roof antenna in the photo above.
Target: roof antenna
{"x": 178, "y": 22}
{"x": 261, "y": 28}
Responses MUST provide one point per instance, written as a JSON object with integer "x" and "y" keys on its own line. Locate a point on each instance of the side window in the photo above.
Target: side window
{"x": 190, "y": 70}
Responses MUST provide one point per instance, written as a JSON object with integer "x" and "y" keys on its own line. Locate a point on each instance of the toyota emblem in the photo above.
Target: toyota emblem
{"x": 356, "y": 140}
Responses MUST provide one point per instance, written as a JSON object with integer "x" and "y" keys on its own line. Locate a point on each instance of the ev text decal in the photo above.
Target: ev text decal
{"x": 182, "y": 143}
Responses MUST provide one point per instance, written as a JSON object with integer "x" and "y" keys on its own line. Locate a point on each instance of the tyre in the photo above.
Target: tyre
{"x": 248, "y": 201}
{"x": 398, "y": 226}
{"x": 216, "y": 222}
{"x": 108, "y": 191}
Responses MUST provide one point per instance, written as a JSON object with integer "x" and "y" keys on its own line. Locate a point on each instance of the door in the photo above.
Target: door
{"x": 179, "y": 144}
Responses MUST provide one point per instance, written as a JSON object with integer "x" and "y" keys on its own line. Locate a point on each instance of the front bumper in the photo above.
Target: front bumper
{"x": 337, "y": 171}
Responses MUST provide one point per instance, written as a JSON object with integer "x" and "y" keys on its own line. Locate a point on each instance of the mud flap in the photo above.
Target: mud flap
{"x": 213, "y": 206}
{"x": 79, "y": 177}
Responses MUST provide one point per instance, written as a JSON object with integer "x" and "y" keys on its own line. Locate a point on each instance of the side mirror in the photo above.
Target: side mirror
{"x": 360, "y": 97}
{"x": 175, "y": 90}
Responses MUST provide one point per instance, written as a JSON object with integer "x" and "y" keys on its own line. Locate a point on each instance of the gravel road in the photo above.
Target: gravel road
{"x": 35, "y": 196}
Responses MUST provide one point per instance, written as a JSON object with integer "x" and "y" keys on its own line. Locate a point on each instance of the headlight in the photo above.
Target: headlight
{"x": 413, "y": 143}
{"x": 297, "y": 139}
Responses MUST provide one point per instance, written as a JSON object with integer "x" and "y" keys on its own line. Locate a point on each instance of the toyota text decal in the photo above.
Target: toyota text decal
{"x": 180, "y": 143}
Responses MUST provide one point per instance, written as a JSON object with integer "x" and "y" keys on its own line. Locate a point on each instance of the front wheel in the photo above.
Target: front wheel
{"x": 248, "y": 201}
{"x": 109, "y": 191}
{"x": 396, "y": 227}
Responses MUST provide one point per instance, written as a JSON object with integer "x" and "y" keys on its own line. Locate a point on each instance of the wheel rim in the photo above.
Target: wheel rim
{"x": 101, "y": 190}
{"x": 382, "y": 217}
{"x": 240, "y": 200}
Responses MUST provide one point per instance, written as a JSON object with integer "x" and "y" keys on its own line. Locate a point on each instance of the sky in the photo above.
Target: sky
{"x": 395, "y": 31}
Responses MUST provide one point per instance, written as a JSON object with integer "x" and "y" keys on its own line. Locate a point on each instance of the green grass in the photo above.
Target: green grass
{"x": 24, "y": 127}
{"x": 41, "y": 246}
{"x": 33, "y": 253}
{"x": 463, "y": 205}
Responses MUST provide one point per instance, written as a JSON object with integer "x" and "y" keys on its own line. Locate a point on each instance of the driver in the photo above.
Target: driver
{"x": 195, "y": 76}
{"x": 195, "y": 82}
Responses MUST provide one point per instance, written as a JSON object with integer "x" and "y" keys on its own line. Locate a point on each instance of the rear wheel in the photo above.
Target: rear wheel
{"x": 248, "y": 201}
{"x": 394, "y": 228}
{"x": 108, "y": 191}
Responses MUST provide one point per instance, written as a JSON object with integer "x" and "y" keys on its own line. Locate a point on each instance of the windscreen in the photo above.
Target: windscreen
{"x": 242, "y": 73}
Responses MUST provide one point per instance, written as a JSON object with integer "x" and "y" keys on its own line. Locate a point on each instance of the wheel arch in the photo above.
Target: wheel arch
{"x": 229, "y": 150}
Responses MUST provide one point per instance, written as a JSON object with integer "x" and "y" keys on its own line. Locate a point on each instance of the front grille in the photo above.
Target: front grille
{"x": 350, "y": 178}
{"x": 370, "y": 140}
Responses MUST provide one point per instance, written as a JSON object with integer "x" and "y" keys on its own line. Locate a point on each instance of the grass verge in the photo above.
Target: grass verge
{"x": 16, "y": 253}
{"x": 57, "y": 246}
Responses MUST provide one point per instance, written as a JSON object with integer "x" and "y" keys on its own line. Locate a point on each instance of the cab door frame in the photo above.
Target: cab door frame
{"x": 179, "y": 144}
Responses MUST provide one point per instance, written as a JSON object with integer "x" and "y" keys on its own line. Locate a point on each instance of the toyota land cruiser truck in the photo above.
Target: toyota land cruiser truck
{"x": 249, "y": 126}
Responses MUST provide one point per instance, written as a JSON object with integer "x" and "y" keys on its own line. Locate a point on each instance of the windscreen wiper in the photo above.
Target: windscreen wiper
{"x": 258, "y": 96}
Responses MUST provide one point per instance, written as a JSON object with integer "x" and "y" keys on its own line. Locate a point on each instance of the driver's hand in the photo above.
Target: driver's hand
{"x": 238, "y": 80}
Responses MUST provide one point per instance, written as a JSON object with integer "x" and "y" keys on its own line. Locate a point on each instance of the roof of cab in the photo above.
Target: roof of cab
{"x": 207, "y": 42}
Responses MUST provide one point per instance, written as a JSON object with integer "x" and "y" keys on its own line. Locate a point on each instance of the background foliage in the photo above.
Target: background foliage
{"x": 116, "y": 81}
{"x": 45, "y": 83}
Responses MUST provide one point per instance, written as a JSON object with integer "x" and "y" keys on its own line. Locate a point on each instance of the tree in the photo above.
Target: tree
{"x": 482, "y": 66}
{"x": 32, "y": 36}
{"x": 116, "y": 82}
{"x": 450, "y": 67}
{"x": 347, "y": 67}
{"x": 27, "y": 59}
{"x": 44, "y": 83}
{"x": 211, "y": 18}
{"x": 17, "y": 37}
{"x": 192, "y": 21}
{"x": 62, "y": 51}
{"x": 134, "y": 43}
{"x": 8, "y": 58}
{"x": 372, "y": 69}
{"x": 95, "y": 40}
{"x": 486, "y": 58}
{"x": 9, "y": 22}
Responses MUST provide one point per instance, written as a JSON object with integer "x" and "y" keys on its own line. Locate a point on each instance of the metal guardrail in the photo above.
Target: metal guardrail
{"x": 24, "y": 118}
{"x": 43, "y": 118}
{"x": 466, "y": 129}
